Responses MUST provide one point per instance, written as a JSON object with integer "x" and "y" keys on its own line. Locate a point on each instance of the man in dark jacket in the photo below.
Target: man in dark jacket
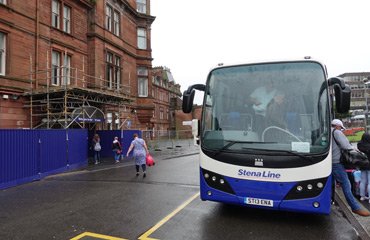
{"x": 364, "y": 146}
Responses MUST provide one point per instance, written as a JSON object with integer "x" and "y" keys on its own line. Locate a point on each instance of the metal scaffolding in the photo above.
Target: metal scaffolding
{"x": 67, "y": 97}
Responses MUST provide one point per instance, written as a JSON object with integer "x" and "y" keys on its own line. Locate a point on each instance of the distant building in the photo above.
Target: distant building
{"x": 167, "y": 99}
{"x": 356, "y": 81}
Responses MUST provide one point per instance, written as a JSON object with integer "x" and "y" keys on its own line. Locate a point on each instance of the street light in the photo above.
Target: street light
{"x": 366, "y": 82}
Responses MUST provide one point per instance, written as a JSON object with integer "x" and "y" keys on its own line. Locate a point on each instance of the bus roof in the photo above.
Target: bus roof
{"x": 304, "y": 59}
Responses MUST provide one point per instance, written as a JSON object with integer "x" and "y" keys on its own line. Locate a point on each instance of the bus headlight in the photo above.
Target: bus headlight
{"x": 307, "y": 189}
{"x": 216, "y": 182}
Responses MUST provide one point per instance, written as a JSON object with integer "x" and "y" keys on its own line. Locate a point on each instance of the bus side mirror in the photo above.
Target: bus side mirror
{"x": 187, "y": 100}
{"x": 342, "y": 94}
{"x": 188, "y": 97}
{"x": 342, "y": 98}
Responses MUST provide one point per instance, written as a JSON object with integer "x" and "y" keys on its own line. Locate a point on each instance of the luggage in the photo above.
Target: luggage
{"x": 149, "y": 160}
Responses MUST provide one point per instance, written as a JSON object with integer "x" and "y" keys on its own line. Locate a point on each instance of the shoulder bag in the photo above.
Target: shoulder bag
{"x": 352, "y": 158}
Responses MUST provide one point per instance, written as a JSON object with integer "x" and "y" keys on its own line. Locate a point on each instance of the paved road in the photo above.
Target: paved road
{"x": 109, "y": 202}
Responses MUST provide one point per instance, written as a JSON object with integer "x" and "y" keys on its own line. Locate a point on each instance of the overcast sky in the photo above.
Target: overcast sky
{"x": 192, "y": 36}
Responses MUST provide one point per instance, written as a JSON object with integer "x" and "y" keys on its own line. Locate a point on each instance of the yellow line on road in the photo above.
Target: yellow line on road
{"x": 164, "y": 220}
{"x": 95, "y": 235}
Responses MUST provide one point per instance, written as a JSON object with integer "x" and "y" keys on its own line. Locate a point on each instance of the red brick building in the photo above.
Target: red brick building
{"x": 166, "y": 94}
{"x": 75, "y": 63}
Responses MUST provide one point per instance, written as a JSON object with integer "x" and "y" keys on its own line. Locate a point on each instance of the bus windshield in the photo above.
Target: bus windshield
{"x": 280, "y": 106}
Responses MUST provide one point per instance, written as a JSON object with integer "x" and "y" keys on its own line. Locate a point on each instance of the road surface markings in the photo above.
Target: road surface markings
{"x": 145, "y": 236}
{"x": 95, "y": 235}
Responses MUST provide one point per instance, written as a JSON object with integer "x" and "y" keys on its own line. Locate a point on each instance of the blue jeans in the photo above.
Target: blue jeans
{"x": 117, "y": 156}
{"x": 365, "y": 183}
{"x": 97, "y": 156}
{"x": 340, "y": 176}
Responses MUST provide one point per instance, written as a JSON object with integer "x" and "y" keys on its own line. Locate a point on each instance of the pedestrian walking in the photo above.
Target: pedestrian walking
{"x": 364, "y": 146}
{"x": 96, "y": 146}
{"x": 340, "y": 175}
{"x": 117, "y": 149}
{"x": 140, "y": 151}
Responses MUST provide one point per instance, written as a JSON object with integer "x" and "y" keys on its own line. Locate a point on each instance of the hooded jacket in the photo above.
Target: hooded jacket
{"x": 364, "y": 146}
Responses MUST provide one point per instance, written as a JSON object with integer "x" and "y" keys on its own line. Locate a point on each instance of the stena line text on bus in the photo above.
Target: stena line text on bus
{"x": 263, "y": 174}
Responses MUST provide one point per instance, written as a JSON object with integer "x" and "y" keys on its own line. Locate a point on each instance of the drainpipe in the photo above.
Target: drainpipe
{"x": 37, "y": 42}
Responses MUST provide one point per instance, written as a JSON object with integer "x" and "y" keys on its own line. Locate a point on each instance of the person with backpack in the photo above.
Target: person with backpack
{"x": 339, "y": 173}
{"x": 96, "y": 148}
{"x": 117, "y": 149}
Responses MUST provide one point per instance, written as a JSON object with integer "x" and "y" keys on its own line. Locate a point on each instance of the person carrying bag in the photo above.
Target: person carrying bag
{"x": 140, "y": 153}
{"x": 351, "y": 158}
{"x": 339, "y": 173}
{"x": 117, "y": 149}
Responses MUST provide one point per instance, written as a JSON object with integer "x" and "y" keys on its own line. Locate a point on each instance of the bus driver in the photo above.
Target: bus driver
{"x": 259, "y": 99}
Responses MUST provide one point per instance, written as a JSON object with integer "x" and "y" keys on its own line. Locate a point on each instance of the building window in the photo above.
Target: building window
{"x": 55, "y": 62}
{"x": 55, "y": 14}
{"x": 141, "y": 6}
{"x": 142, "y": 76}
{"x": 109, "y": 70}
{"x": 3, "y": 2}
{"x": 2, "y": 53}
{"x": 116, "y": 23}
{"x": 112, "y": 20}
{"x": 117, "y": 72}
{"x": 108, "y": 18}
{"x": 67, "y": 19}
{"x": 61, "y": 20}
{"x": 60, "y": 68}
{"x": 157, "y": 80}
{"x": 113, "y": 71}
{"x": 141, "y": 38}
{"x": 66, "y": 69}
{"x": 161, "y": 113}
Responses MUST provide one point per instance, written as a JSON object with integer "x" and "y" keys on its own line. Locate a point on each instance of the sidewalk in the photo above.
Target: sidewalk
{"x": 160, "y": 151}
{"x": 361, "y": 224}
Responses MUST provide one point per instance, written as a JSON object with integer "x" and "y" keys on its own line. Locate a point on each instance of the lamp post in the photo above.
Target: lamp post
{"x": 366, "y": 82}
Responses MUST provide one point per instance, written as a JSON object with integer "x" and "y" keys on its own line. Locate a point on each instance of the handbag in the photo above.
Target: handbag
{"x": 97, "y": 147}
{"x": 149, "y": 160}
{"x": 352, "y": 158}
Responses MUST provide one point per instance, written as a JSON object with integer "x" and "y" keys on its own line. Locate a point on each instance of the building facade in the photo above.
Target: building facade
{"x": 166, "y": 94}
{"x": 359, "y": 90}
{"x": 76, "y": 64}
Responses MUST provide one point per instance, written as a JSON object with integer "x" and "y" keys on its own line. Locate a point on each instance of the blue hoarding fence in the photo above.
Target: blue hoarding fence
{"x": 29, "y": 155}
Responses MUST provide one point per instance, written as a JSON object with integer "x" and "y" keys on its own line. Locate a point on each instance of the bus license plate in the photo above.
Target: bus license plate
{"x": 259, "y": 202}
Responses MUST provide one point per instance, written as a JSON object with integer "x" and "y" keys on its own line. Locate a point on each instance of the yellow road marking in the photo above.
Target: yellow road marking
{"x": 164, "y": 220}
{"x": 95, "y": 235}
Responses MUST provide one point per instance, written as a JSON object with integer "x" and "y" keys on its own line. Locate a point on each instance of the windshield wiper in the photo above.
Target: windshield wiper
{"x": 227, "y": 146}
